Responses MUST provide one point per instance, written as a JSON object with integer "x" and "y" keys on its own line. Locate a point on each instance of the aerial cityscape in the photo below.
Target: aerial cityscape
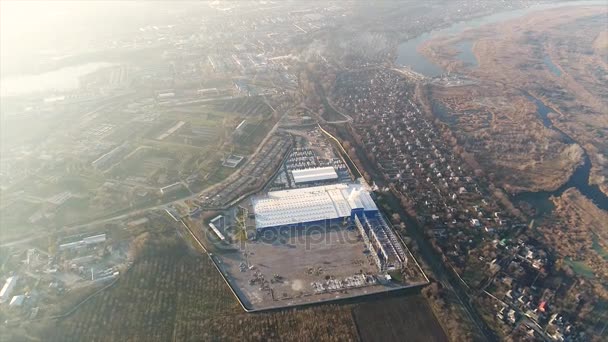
{"x": 304, "y": 170}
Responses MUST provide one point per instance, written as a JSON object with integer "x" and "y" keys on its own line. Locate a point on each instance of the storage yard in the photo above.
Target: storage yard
{"x": 290, "y": 267}
{"x": 312, "y": 161}
{"x": 317, "y": 237}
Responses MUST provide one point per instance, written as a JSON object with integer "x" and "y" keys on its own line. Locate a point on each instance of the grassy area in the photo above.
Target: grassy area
{"x": 580, "y": 268}
{"x": 14, "y": 219}
{"x": 253, "y": 134}
{"x": 174, "y": 195}
{"x": 148, "y": 161}
{"x": 201, "y": 116}
{"x": 598, "y": 248}
{"x": 218, "y": 173}
{"x": 74, "y": 182}
{"x": 396, "y": 275}
{"x": 330, "y": 114}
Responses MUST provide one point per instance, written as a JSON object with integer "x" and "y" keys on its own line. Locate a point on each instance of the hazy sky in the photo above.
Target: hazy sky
{"x": 30, "y": 29}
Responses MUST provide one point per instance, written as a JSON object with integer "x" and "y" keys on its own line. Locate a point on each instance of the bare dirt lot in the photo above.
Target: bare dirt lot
{"x": 297, "y": 266}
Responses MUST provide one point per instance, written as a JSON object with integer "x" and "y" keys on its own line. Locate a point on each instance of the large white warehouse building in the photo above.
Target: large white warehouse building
{"x": 6, "y": 290}
{"x": 315, "y": 174}
{"x": 313, "y": 204}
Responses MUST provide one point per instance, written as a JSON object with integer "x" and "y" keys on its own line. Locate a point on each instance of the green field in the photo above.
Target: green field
{"x": 598, "y": 248}
{"x": 252, "y": 134}
{"x": 580, "y": 268}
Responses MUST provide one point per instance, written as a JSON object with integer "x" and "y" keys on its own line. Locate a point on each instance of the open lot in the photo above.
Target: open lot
{"x": 302, "y": 266}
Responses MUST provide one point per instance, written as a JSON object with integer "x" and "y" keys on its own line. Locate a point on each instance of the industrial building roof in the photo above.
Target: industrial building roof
{"x": 17, "y": 300}
{"x": 8, "y": 287}
{"x": 287, "y": 207}
{"x": 314, "y": 174}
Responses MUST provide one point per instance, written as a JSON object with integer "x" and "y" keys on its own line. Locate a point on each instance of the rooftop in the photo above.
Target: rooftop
{"x": 317, "y": 203}
{"x": 314, "y": 174}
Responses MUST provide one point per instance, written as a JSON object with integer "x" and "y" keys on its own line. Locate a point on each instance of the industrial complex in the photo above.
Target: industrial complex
{"x": 317, "y": 204}
{"x": 324, "y": 205}
{"x": 316, "y": 174}
{"x": 314, "y": 234}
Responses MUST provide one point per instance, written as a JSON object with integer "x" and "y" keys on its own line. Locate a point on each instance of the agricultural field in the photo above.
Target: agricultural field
{"x": 157, "y": 296}
{"x": 172, "y": 292}
{"x": 13, "y": 217}
{"x": 154, "y": 166}
{"x": 57, "y": 198}
{"x": 247, "y": 106}
{"x": 252, "y": 134}
{"x": 398, "y": 319}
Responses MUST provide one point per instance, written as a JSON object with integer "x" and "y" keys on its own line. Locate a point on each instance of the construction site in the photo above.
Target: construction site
{"x": 313, "y": 235}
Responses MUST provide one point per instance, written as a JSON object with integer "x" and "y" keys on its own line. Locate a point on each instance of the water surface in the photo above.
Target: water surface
{"x": 407, "y": 52}
{"x": 551, "y": 66}
{"x": 578, "y": 180}
{"x": 408, "y": 55}
{"x": 465, "y": 53}
{"x": 64, "y": 79}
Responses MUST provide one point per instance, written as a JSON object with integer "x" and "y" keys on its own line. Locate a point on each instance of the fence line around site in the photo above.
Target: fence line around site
{"x": 250, "y": 310}
{"x": 408, "y": 250}
{"x": 343, "y": 151}
{"x": 210, "y": 255}
{"x": 232, "y": 290}
{"x": 398, "y": 235}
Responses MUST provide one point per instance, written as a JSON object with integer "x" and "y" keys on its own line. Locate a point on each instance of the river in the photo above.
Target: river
{"x": 408, "y": 55}
{"x": 579, "y": 179}
{"x": 60, "y": 80}
{"x": 407, "y": 52}
{"x": 551, "y": 66}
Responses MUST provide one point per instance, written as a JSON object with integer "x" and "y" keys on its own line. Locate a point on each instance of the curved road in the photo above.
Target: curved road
{"x": 139, "y": 211}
